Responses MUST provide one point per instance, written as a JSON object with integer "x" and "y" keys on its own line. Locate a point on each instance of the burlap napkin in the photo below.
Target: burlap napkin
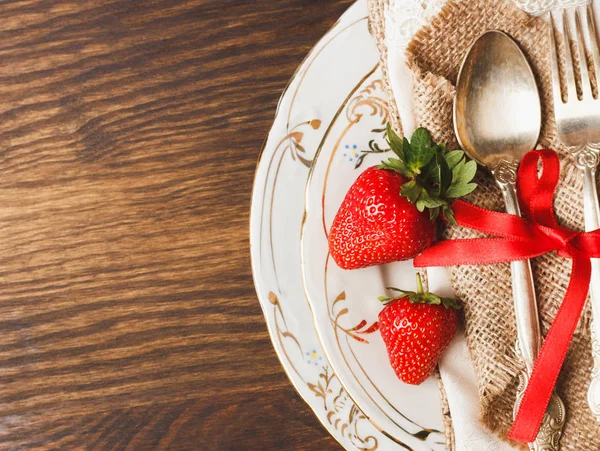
{"x": 434, "y": 57}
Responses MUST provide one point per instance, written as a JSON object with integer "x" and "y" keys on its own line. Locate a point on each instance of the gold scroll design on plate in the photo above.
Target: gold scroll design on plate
{"x": 375, "y": 105}
{"x": 292, "y": 142}
{"x": 341, "y": 413}
{"x": 369, "y": 101}
{"x": 356, "y": 332}
{"x": 373, "y": 98}
{"x": 345, "y": 420}
{"x": 283, "y": 334}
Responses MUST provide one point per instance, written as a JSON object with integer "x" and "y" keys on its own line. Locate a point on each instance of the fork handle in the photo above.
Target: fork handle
{"x": 586, "y": 159}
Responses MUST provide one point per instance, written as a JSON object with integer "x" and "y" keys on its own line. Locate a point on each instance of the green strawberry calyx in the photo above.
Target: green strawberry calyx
{"x": 421, "y": 297}
{"x": 436, "y": 176}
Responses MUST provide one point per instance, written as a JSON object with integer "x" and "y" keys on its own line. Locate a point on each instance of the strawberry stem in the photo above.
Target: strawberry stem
{"x": 419, "y": 284}
{"x": 421, "y": 297}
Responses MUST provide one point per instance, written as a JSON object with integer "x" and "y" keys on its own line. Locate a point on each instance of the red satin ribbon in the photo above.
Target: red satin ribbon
{"x": 520, "y": 239}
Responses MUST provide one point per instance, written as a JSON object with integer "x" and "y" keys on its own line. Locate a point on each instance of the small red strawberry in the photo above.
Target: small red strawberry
{"x": 383, "y": 218}
{"x": 416, "y": 328}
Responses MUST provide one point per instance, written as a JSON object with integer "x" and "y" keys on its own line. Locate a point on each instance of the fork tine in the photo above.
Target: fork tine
{"x": 569, "y": 73}
{"x": 556, "y": 88}
{"x": 593, "y": 41}
{"x": 586, "y": 87}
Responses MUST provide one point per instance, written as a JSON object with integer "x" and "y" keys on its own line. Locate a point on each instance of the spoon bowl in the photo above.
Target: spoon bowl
{"x": 497, "y": 113}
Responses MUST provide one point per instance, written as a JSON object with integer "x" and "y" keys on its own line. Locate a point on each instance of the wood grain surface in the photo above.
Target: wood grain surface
{"x": 129, "y": 134}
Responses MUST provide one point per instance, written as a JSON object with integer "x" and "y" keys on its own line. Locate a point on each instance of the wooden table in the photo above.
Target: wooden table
{"x": 129, "y": 133}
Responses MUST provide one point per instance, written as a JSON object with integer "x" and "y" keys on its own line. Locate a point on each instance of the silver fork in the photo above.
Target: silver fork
{"x": 578, "y": 125}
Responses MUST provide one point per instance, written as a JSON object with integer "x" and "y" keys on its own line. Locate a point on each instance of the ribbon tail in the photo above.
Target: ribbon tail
{"x": 552, "y": 355}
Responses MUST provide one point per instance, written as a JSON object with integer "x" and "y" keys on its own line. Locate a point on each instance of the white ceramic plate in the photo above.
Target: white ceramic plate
{"x": 344, "y": 303}
{"x": 306, "y": 110}
{"x": 336, "y": 86}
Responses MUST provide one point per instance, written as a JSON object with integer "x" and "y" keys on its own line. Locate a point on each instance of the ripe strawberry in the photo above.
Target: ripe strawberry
{"x": 376, "y": 225}
{"x": 383, "y": 218}
{"x": 416, "y": 328}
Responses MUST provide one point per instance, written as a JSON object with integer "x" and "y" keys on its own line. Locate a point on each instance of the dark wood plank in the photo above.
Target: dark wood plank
{"x": 218, "y": 423}
{"x": 129, "y": 132}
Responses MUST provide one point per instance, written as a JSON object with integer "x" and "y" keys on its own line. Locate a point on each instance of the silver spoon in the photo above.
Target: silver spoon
{"x": 497, "y": 119}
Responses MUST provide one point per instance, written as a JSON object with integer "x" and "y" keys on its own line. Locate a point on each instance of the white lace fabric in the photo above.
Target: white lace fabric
{"x": 538, "y": 7}
{"x": 404, "y": 17}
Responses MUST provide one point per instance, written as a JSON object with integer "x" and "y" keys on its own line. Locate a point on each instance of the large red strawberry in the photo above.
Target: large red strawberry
{"x": 416, "y": 328}
{"x": 376, "y": 225}
{"x": 383, "y": 217}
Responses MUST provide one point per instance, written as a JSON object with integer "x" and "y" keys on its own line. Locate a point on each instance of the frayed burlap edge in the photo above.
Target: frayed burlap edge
{"x": 446, "y": 416}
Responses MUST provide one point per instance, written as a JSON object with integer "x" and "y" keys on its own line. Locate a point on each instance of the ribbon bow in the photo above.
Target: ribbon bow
{"x": 520, "y": 239}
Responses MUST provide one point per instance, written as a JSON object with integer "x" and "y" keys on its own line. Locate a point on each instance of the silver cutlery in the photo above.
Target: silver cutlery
{"x": 497, "y": 119}
{"x": 578, "y": 126}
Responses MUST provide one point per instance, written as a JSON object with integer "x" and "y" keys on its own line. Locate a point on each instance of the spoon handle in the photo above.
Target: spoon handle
{"x": 529, "y": 337}
{"x": 586, "y": 159}
{"x": 526, "y": 313}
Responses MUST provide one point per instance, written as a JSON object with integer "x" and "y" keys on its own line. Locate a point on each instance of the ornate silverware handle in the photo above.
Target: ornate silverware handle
{"x": 586, "y": 159}
{"x": 529, "y": 337}
{"x": 526, "y": 313}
